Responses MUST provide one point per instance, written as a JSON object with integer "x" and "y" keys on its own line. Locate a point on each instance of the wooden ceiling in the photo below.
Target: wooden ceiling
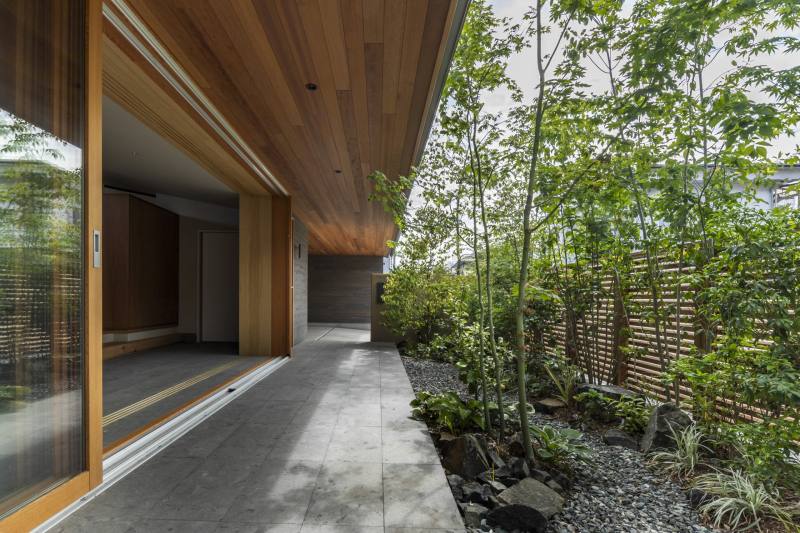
{"x": 376, "y": 65}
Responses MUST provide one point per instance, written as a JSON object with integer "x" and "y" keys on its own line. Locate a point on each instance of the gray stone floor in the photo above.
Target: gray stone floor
{"x": 323, "y": 444}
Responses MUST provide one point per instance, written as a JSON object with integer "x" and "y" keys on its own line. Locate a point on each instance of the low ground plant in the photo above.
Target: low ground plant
{"x": 559, "y": 447}
{"x": 564, "y": 377}
{"x": 682, "y": 461}
{"x": 448, "y": 411}
{"x": 741, "y": 503}
{"x": 634, "y": 412}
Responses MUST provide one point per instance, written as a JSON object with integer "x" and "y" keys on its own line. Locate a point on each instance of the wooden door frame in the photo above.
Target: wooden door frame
{"x": 53, "y": 501}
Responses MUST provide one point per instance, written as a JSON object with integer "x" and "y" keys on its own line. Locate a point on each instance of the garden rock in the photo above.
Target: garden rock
{"x": 494, "y": 459}
{"x": 549, "y": 405}
{"x": 501, "y": 475}
{"x": 540, "y": 475}
{"x": 515, "y": 446}
{"x": 665, "y": 419}
{"x": 476, "y": 492}
{"x": 473, "y": 514}
{"x": 519, "y": 468}
{"x": 553, "y": 484}
{"x": 465, "y": 456}
{"x": 561, "y": 478}
{"x": 534, "y": 494}
{"x": 616, "y": 437}
{"x": 496, "y": 486}
{"x": 456, "y": 486}
{"x": 612, "y": 391}
{"x": 517, "y": 517}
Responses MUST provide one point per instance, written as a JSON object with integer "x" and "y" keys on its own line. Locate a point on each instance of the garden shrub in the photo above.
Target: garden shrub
{"x": 559, "y": 447}
{"x": 425, "y": 305}
{"x": 447, "y": 410}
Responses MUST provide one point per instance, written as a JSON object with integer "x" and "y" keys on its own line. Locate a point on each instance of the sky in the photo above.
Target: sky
{"x": 522, "y": 69}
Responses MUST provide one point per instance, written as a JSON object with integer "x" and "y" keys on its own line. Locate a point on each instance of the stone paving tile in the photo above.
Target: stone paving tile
{"x": 349, "y": 494}
{"x": 234, "y": 527}
{"x": 324, "y": 444}
{"x": 414, "y": 496}
{"x": 355, "y": 444}
{"x": 277, "y": 492}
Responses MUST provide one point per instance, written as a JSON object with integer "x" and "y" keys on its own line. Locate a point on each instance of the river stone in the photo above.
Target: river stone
{"x": 665, "y": 419}
{"x": 548, "y": 405}
{"x": 465, "y": 456}
{"x": 616, "y": 437}
{"x": 534, "y": 494}
{"x": 517, "y": 517}
{"x": 612, "y": 391}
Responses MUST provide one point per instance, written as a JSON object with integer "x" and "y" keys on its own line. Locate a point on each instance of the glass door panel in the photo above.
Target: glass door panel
{"x": 42, "y": 96}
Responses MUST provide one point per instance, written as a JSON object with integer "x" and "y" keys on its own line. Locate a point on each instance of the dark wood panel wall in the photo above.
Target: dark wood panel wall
{"x": 339, "y": 287}
{"x": 140, "y": 281}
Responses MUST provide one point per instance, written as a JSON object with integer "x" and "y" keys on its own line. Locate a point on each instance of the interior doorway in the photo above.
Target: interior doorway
{"x": 219, "y": 286}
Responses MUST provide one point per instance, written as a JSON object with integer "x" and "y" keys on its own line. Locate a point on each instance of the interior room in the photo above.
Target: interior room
{"x": 170, "y": 279}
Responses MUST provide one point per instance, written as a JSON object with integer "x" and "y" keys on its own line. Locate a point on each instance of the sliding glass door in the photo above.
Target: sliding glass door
{"x": 42, "y": 103}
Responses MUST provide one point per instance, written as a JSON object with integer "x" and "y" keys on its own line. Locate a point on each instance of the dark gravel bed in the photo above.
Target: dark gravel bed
{"x": 433, "y": 376}
{"x": 613, "y": 493}
{"x": 616, "y": 491}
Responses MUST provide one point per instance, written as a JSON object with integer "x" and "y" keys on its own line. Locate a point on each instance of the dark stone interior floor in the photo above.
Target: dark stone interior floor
{"x": 133, "y": 377}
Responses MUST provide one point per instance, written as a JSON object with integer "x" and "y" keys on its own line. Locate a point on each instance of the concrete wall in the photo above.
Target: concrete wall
{"x": 300, "y": 280}
{"x": 339, "y": 287}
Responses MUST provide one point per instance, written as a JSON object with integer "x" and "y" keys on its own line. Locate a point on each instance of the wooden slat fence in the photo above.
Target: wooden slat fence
{"x": 624, "y": 350}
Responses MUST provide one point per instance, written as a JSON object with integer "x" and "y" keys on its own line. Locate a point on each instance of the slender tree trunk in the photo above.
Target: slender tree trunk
{"x": 498, "y": 367}
{"x": 526, "y": 245}
{"x": 481, "y": 348}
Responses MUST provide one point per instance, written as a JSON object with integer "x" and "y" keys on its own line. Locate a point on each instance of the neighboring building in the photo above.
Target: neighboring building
{"x": 217, "y": 197}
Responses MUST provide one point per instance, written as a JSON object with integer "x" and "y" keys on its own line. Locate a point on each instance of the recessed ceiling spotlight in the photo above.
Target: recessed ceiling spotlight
{"x": 311, "y": 86}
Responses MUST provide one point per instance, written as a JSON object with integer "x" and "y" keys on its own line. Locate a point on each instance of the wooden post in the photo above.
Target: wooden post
{"x": 255, "y": 275}
{"x": 282, "y": 257}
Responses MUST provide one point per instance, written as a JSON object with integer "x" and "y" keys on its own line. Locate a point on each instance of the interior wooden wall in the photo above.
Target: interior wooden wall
{"x": 140, "y": 287}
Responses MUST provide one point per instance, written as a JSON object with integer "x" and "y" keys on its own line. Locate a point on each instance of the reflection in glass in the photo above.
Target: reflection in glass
{"x": 41, "y": 275}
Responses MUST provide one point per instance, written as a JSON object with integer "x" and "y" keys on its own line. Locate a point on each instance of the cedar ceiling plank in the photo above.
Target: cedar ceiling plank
{"x": 440, "y": 12}
{"x": 412, "y": 42}
{"x": 331, "y": 11}
{"x": 166, "y": 21}
{"x": 345, "y": 99}
{"x": 261, "y": 48}
{"x": 277, "y": 135}
{"x": 336, "y": 141}
{"x": 373, "y": 53}
{"x": 354, "y": 36}
{"x": 394, "y": 18}
{"x": 373, "y": 21}
{"x": 302, "y": 19}
{"x": 253, "y": 58}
